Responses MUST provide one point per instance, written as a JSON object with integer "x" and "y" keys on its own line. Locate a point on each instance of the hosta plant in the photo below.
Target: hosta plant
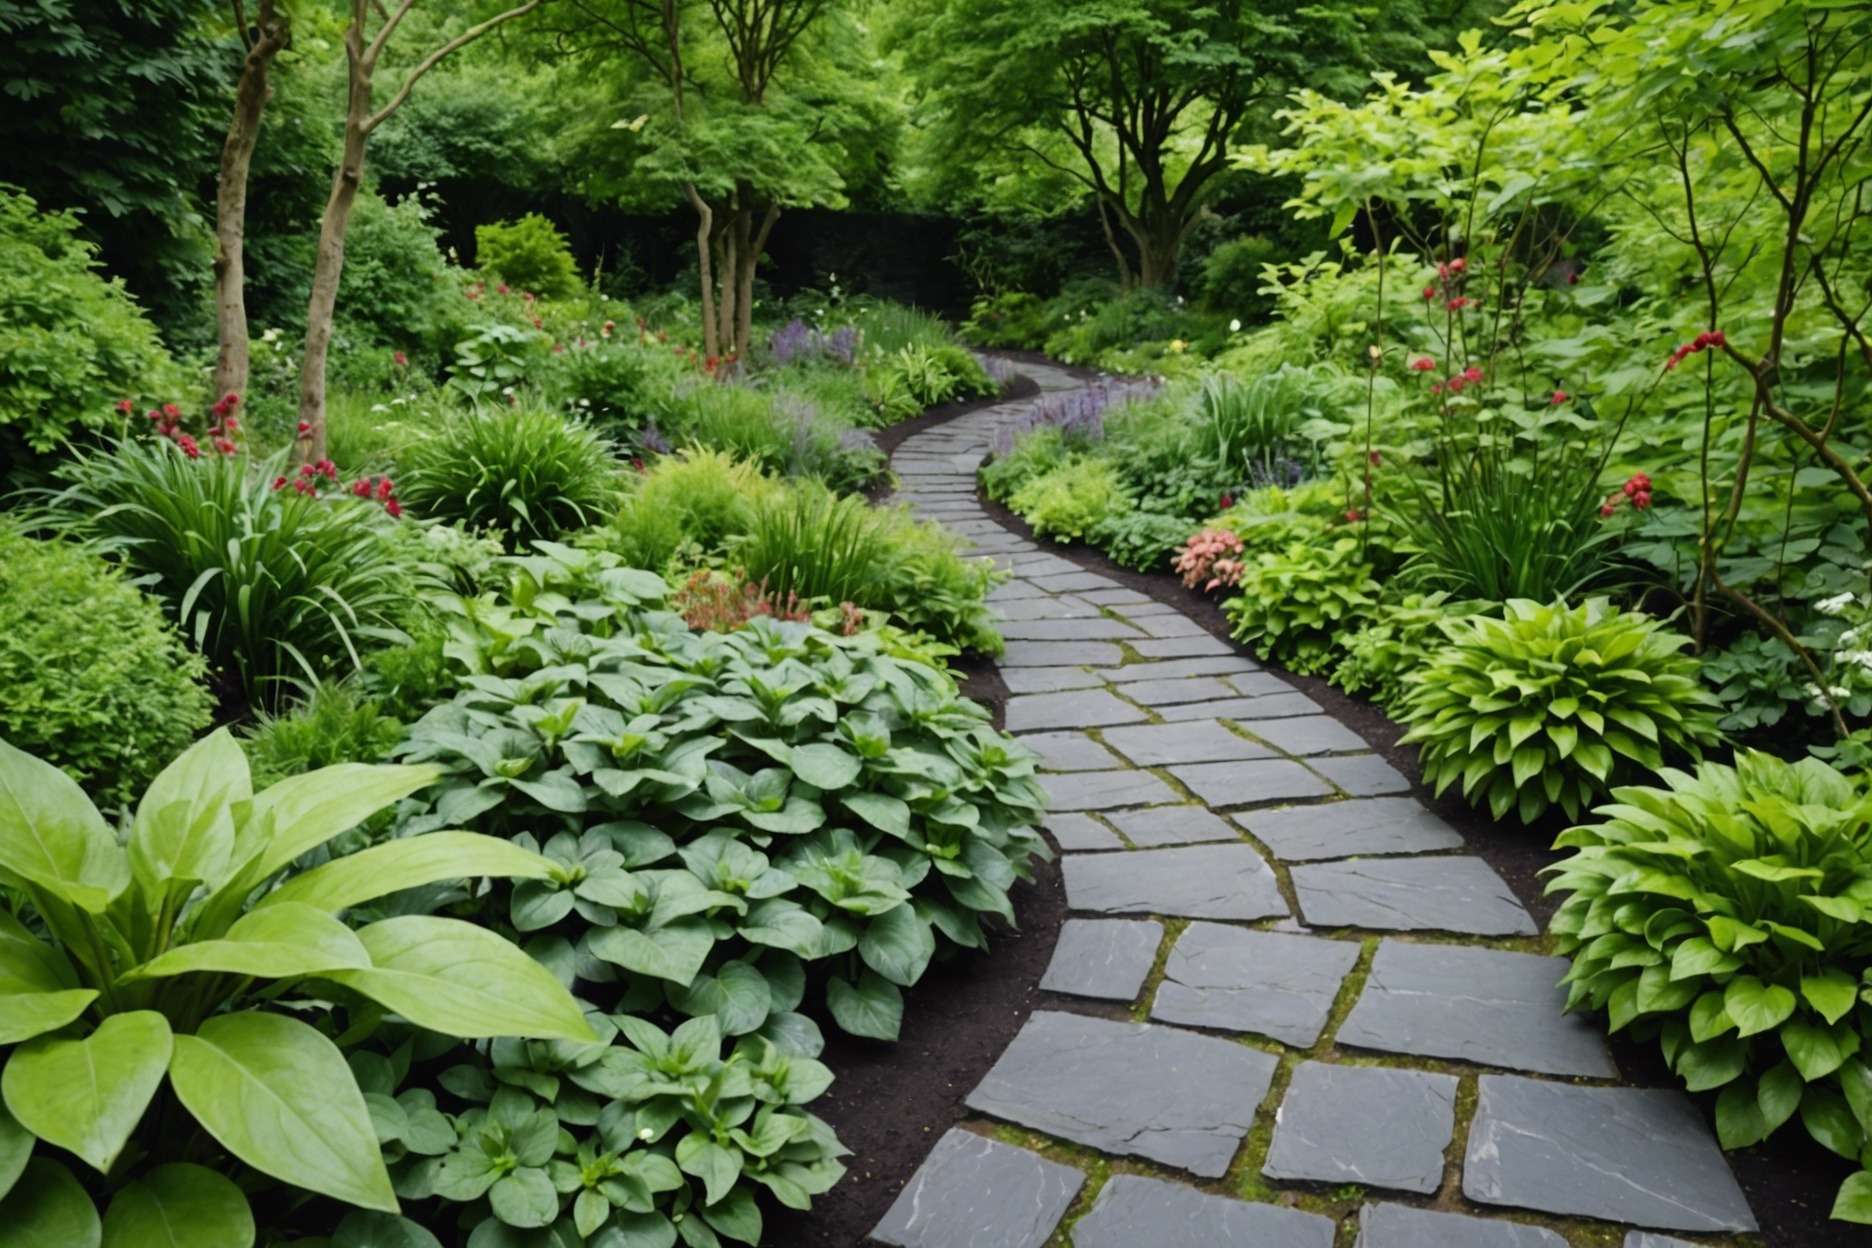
{"x": 1729, "y": 914}
{"x": 1549, "y": 704}
{"x": 146, "y": 983}
{"x": 1295, "y": 604}
{"x": 727, "y": 807}
{"x": 1396, "y": 640}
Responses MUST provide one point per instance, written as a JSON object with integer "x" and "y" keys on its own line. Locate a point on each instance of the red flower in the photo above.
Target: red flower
{"x": 1641, "y": 500}
{"x": 1559, "y": 397}
{"x": 1458, "y": 265}
{"x": 385, "y": 489}
{"x": 637, "y": 463}
{"x": 361, "y": 487}
{"x": 1353, "y": 515}
{"x": 172, "y": 411}
{"x": 124, "y": 406}
{"x": 1227, "y": 501}
{"x": 1472, "y": 373}
{"x": 1436, "y": 387}
{"x": 305, "y": 428}
{"x": 1422, "y": 364}
{"x": 224, "y": 446}
{"x": 1456, "y": 384}
{"x": 1572, "y": 279}
{"x": 231, "y": 423}
{"x": 1375, "y": 458}
{"x": 502, "y": 288}
{"x": 188, "y": 445}
{"x": 306, "y": 470}
{"x": 1606, "y": 511}
{"x": 279, "y": 483}
{"x": 1458, "y": 303}
{"x": 402, "y": 361}
{"x": 325, "y": 468}
{"x": 394, "y": 508}
{"x": 1429, "y": 292}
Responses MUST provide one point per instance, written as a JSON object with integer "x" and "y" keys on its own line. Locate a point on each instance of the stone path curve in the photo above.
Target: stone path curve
{"x": 1288, "y": 1011}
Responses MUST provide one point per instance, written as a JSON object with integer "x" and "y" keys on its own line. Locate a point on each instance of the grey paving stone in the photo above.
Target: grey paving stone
{"x": 1242, "y": 710}
{"x": 1250, "y": 783}
{"x": 1444, "y": 894}
{"x": 1016, "y": 591}
{"x": 1400, "y": 1226}
{"x": 1356, "y": 828}
{"x": 1070, "y": 751}
{"x": 972, "y": 1191}
{"x": 1641, "y": 1156}
{"x": 1129, "y": 1089}
{"x": 1176, "y": 692}
{"x": 1270, "y": 983}
{"x": 1060, "y": 654}
{"x": 1132, "y": 1211}
{"x": 1363, "y": 775}
{"x": 1077, "y": 708}
{"x": 1271, "y": 705}
{"x": 1040, "y": 563}
{"x": 1646, "y": 1239}
{"x": 1104, "y": 628}
{"x": 1191, "y": 741}
{"x": 1254, "y": 683}
{"x": 1104, "y": 958}
{"x": 1172, "y": 825}
{"x": 1107, "y": 790}
{"x": 1181, "y": 647}
{"x": 1060, "y": 582}
{"x": 1118, "y": 598}
{"x": 1176, "y": 669}
{"x": 1048, "y": 679}
{"x": 1047, "y": 607}
{"x": 1364, "y": 1124}
{"x": 1076, "y": 833}
{"x": 1138, "y": 609}
{"x": 1177, "y": 625}
{"x": 1308, "y": 734}
{"x": 1195, "y": 881}
{"x": 1486, "y": 1006}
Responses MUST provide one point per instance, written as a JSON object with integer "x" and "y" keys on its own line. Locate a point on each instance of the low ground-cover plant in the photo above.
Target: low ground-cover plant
{"x": 1396, "y": 639}
{"x": 97, "y": 680}
{"x": 776, "y": 798}
{"x": 912, "y": 378}
{"x": 1067, "y": 501}
{"x": 1294, "y": 606}
{"x": 522, "y": 473}
{"x": 1549, "y": 704}
{"x": 1729, "y": 914}
{"x": 158, "y": 963}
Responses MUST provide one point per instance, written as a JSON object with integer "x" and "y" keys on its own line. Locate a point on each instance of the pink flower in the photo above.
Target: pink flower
{"x": 225, "y": 446}
{"x": 1606, "y": 511}
{"x": 124, "y": 406}
{"x": 402, "y": 361}
{"x": 1559, "y": 397}
{"x": 279, "y": 483}
{"x": 1422, "y": 364}
{"x": 502, "y": 288}
{"x": 1641, "y": 500}
{"x": 1472, "y": 374}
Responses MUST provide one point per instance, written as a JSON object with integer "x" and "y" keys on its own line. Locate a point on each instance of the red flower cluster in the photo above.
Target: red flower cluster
{"x": 402, "y": 361}
{"x": 1560, "y": 397}
{"x": 1353, "y": 515}
{"x": 1226, "y": 501}
{"x": 166, "y": 422}
{"x": 1702, "y": 342}
{"x": 380, "y": 488}
{"x": 1470, "y": 376}
{"x": 1448, "y": 286}
{"x": 1422, "y": 364}
{"x": 1637, "y": 490}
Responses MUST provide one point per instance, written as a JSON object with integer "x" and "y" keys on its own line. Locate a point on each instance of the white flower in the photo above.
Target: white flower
{"x": 1835, "y": 604}
{"x": 379, "y": 407}
{"x": 1857, "y": 658}
{"x": 646, "y": 1134}
{"x": 1235, "y": 326}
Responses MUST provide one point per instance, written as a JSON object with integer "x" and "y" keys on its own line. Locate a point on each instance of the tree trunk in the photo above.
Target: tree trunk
{"x": 230, "y": 274}
{"x": 726, "y": 267}
{"x": 705, "y": 228}
{"x": 1158, "y": 247}
{"x": 1125, "y": 277}
{"x": 750, "y": 260}
{"x": 328, "y": 265}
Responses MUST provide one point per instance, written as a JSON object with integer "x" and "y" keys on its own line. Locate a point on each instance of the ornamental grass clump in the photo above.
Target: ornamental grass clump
{"x": 1549, "y": 704}
{"x": 1728, "y": 914}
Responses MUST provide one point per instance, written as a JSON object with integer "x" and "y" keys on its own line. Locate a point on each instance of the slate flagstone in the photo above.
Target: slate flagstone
{"x": 973, "y": 1191}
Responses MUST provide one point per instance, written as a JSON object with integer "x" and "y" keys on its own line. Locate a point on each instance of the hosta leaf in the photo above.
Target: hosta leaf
{"x": 824, "y": 765}
{"x": 873, "y": 1007}
{"x": 179, "y": 1206}
{"x": 1755, "y": 1006}
{"x": 1831, "y": 993}
{"x": 1697, "y": 957}
{"x": 898, "y": 945}
{"x": 717, "y": 1167}
{"x": 1817, "y": 1051}
{"x": 184, "y": 829}
{"x": 675, "y": 952}
{"x": 302, "y": 812}
{"x": 273, "y": 942}
{"x": 16, "y": 1145}
{"x": 408, "y": 863}
{"x": 52, "y": 836}
{"x": 48, "y": 1208}
{"x": 1854, "y": 1202}
{"x": 637, "y": 1230}
{"x": 1830, "y": 1121}
{"x": 87, "y": 1096}
{"x": 363, "y": 1228}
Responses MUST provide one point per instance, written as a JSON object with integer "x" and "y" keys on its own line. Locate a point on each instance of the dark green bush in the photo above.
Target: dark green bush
{"x": 529, "y": 254}
{"x": 94, "y": 679}
{"x": 1231, "y": 278}
{"x": 397, "y": 288}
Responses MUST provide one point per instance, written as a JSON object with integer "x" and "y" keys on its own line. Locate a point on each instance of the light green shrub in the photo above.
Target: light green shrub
{"x": 529, "y": 254}
{"x": 1067, "y": 501}
{"x": 1295, "y": 605}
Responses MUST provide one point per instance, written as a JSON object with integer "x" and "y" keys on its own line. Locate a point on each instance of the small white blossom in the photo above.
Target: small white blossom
{"x": 1835, "y": 604}
{"x": 1235, "y": 326}
{"x": 1855, "y": 658}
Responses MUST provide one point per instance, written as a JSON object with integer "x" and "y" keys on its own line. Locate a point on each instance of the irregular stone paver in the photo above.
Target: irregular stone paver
{"x": 1176, "y": 692}
{"x": 972, "y": 1191}
{"x": 1195, "y": 741}
{"x": 1048, "y": 679}
{"x": 1308, "y": 734}
{"x": 1180, "y": 647}
{"x": 1132, "y": 1211}
{"x": 1172, "y": 825}
{"x": 1240, "y": 709}
{"x": 1375, "y": 825}
{"x": 1105, "y": 790}
{"x": 1362, "y": 775}
{"x": 1016, "y": 591}
{"x": 1077, "y": 708}
{"x": 1259, "y": 706}
{"x": 1130, "y": 1089}
{"x": 1171, "y": 626}
{"x": 1105, "y": 958}
{"x": 1634, "y": 1155}
{"x": 1060, "y": 654}
{"x": 1119, "y": 598}
{"x": 1250, "y": 783}
{"x": 1233, "y": 979}
{"x": 1487, "y": 1006}
{"x": 1410, "y": 895}
{"x": 1070, "y": 751}
{"x": 1364, "y": 1124}
{"x": 1081, "y": 832}
{"x": 1253, "y": 683}
{"x": 1044, "y": 607}
{"x": 1074, "y": 580}
{"x": 1400, "y": 1226}
{"x": 1103, "y": 628}
{"x": 1197, "y": 882}
{"x": 1176, "y": 669}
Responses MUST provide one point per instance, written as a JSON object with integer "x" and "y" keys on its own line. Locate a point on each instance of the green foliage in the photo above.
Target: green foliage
{"x": 698, "y": 498}
{"x": 72, "y": 343}
{"x": 1067, "y": 501}
{"x": 916, "y": 377}
{"x": 337, "y": 722}
{"x": 1009, "y": 319}
{"x": 1140, "y": 315}
{"x": 529, "y": 254}
{"x": 858, "y": 804}
{"x": 784, "y": 434}
{"x": 1396, "y": 639}
{"x": 495, "y": 360}
{"x": 98, "y": 683}
{"x": 269, "y": 584}
{"x": 1295, "y": 605}
{"x": 1757, "y": 679}
{"x": 617, "y": 383}
{"x": 1140, "y": 539}
{"x": 1232, "y": 281}
{"x": 117, "y": 987}
{"x": 522, "y": 473}
{"x": 1259, "y": 430}
{"x": 1032, "y": 457}
{"x": 1551, "y": 704}
{"x": 1727, "y": 914}
{"x": 397, "y": 288}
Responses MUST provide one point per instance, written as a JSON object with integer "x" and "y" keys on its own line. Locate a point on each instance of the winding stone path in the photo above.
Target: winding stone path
{"x": 1289, "y": 1010}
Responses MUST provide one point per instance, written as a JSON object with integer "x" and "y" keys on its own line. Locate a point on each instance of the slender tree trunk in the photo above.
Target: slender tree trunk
{"x": 328, "y": 264}
{"x": 750, "y": 260}
{"x": 1125, "y": 276}
{"x": 230, "y": 274}
{"x": 705, "y": 229}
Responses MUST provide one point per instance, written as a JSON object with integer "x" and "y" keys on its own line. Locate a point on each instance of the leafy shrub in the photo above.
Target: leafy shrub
{"x": 614, "y": 382}
{"x": 1010, "y": 319}
{"x": 1394, "y": 641}
{"x": 336, "y": 723}
{"x": 495, "y": 360}
{"x": 857, "y": 805}
{"x": 697, "y": 498}
{"x": 1726, "y": 914}
{"x": 1296, "y": 604}
{"x": 916, "y": 377}
{"x": 190, "y": 996}
{"x": 1140, "y": 539}
{"x": 1550, "y": 704}
{"x": 97, "y": 681}
{"x": 1033, "y": 456}
{"x": 396, "y": 287}
{"x": 784, "y": 434}
{"x": 1231, "y": 277}
{"x": 522, "y": 473}
{"x": 269, "y": 584}
{"x": 71, "y": 342}
{"x": 1256, "y": 429}
{"x": 1067, "y": 501}
{"x": 528, "y": 253}
{"x": 1757, "y": 679}
{"x": 1143, "y": 314}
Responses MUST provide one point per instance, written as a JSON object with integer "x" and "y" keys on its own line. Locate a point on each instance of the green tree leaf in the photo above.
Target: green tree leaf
{"x": 52, "y": 836}
{"x": 86, "y": 1096}
{"x": 408, "y": 863}
{"x": 717, "y": 1167}
{"x": 1854, "y": 1202}
{"x": 279, "y": 1096}
{"x": 179, "y": 1206}
{"x": 48, "y": 1208}
{"x": 275, "y": 942}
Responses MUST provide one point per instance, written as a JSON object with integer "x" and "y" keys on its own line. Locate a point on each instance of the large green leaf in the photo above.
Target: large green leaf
{"x": 463, "y": 980}
{"x": 302, "y": 812}
{"x": 16, "y": 1145}
{"x": 1755, "y": 1006}
{"x": 52, "y": 836}
{"x": 38, "y": 989}
{"x": 898, "y": 945}
{"x": 872, "y": 1007}
{"x": 824, "y": 765}
{"x": 179, "y": 1206}
{"x": 86, "y": 1096}
{"x": 408, "y": 863}
{"x": 184, "y": 827}
{"x": 277, "y": 942}
{"x": 1854, "y": 1202}
{"x": 279, "y": 1096}
{"x": 48, "y": 1208}
{"x": 717, "y": 1167}
{"x": 365, "y": 1228}
{"x": 674, "y": 952}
